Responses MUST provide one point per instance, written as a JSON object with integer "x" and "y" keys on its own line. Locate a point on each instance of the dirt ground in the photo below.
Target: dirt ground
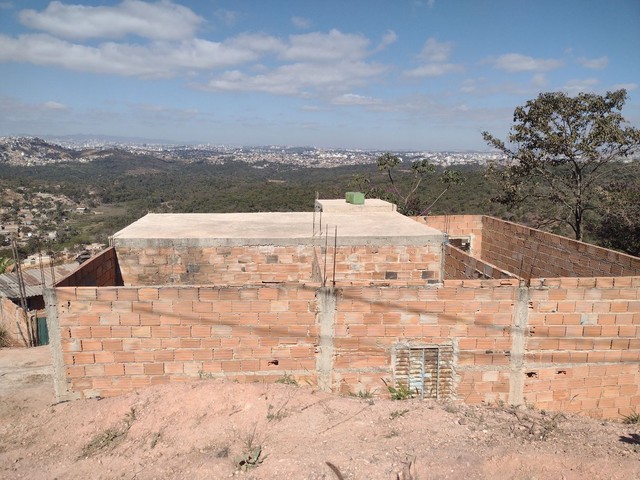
{"x": 214, "y": 429}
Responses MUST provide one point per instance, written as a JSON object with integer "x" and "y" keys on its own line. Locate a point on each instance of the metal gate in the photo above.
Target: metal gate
{"x": 425, "y": 370}
{"x": 43, "y": 331}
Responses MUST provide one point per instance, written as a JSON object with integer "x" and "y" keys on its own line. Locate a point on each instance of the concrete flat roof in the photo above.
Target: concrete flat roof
{"x": 379, "y": 224}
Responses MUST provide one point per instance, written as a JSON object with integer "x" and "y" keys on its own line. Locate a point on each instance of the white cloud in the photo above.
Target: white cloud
{"x": 299, "y": 78}
{"x": 428, "y": 3}
{"x": 435, "y": 70}
{"x": 353, "y": 99}
{"x": 51, "y": 105}
{"x": 162, "y": 20}
{"x": 301, "y": 23}
{"x": 387, "y": 39}
{"x": 436, "y": 52}
{"x": 514, "y": 62}
{"x": 317, "y": 63}
{"x": 594, "y": 63}
{"x": 156, "y": 59}
{"x": 436, "y": 55}
{"x": 331, "y": 46}
{"x": 326, "y": 64}
{"x": 576, "y": 86}
{"x": 17, "y": 116}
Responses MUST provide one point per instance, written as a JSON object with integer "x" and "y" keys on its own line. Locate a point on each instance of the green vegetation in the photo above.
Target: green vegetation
{"x": 402, "y": 187}
{"x": 399, "y": 392}
{"x": 562, "y": 152}
{"x": 4, "y": 337}
{"x": 252, "y": 452}
{"x": 619, "y": 226}
{"x": 631, "y": 419}
{"x": 121, "y": 187}
{"x": 5, "y": 263}
{"x": 110, "y": 437}
{"x": 287, "y": 379}
{"x": 398, "y": 413}
{"x": 364, "y": 394}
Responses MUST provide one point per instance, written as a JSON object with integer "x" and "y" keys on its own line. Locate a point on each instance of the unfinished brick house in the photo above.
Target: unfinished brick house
{"x": 350, "y": 295}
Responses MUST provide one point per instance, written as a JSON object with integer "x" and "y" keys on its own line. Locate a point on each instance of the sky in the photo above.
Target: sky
{"x": 369, "y": 74}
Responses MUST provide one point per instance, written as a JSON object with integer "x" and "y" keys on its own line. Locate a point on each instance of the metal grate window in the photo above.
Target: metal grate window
{"x": 425, "y": 370}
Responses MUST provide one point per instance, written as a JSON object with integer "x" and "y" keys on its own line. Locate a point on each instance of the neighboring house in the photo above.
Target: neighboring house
{"x": 12, "y": 317}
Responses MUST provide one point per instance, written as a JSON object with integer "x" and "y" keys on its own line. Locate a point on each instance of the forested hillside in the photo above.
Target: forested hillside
{"x": 121, "y": 187}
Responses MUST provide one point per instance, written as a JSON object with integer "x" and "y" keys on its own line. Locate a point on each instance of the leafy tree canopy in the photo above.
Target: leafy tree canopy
{"x": 620, "y": 224}
{"x": 561, "y": 151}
{"x": 402, "y": 186}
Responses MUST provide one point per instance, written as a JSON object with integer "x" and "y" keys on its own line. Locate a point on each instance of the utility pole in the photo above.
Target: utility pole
{"x": 31, "y": 338}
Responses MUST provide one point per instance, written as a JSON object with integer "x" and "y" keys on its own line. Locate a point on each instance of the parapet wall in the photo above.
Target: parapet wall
{"x": 222, "y": 265}
{"x": 458, "y": 226}
{"x": 531, "y": 253}
{"x": 569, "y": 344}
{"x": 458, "y": 265}
{"x": 101, "y": 270}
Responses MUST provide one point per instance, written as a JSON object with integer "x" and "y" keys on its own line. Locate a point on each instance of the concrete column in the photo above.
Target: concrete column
{"x": 55, "y": 341}
{"x": 326, "y": 318}
{"x": 519, "y": 329}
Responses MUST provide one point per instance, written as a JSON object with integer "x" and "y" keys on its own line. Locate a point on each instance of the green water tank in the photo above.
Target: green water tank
{"x": 355, "y": 198}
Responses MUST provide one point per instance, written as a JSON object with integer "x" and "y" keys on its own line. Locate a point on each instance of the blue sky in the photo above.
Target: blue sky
{"x": 403, "y": 74}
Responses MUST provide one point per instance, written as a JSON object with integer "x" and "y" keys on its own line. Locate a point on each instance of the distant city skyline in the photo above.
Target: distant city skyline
{"x": 403, "y": 75}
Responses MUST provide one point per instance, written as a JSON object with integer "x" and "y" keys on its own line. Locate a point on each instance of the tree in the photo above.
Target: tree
{"x": 5, "y": 263}
{"x": 619, "y": 226}
{"x": 403, "y": 187}
{"x": 561, "y": 152}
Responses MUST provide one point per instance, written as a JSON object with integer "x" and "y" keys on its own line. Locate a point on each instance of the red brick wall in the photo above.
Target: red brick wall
{"x": 101, "y": 270}
{"x": 458, "y": 265}
{"x": 583, "y": 346}
{"x": 257, "y": 264}
{"x": 9, "y": 313}
{"x": 458, "y": 225}
{"x": 531, "y": 253}
{"x": 476, "y": 321}
{"x": 120, "y": 338}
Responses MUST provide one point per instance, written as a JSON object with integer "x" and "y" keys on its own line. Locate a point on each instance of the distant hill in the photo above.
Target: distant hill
{"x": 34, "y": 151}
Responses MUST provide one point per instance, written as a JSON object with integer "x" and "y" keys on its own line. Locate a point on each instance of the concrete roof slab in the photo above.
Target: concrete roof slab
{"x": 355, "y": 226}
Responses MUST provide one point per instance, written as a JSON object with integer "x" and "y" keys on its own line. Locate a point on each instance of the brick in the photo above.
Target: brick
{"x": 183, "y": 355}
{"x": 104, "y": 357}
{"x": 133, "y": 369}
{"x": 83, "y": 358}
{"x": 141, "y": 332}
{"x": 154, "y": 368}
{"x": 120, "y": 332}
{"x": 114, "y": 369}
{"x": 101, "y": 332}
{"x": 123, "y": 357}
{"x": 148, "y": 294}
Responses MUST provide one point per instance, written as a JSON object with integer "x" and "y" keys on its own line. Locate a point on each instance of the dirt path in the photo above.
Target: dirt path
{"x": 25, "y": 380}
{"x": 205, "y": 429}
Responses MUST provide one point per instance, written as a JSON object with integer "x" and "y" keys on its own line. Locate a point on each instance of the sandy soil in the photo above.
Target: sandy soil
{"x": 206, "y": 428}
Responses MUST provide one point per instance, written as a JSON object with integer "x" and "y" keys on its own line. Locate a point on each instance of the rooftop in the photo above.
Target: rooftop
{"x": 374, "y": 223}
